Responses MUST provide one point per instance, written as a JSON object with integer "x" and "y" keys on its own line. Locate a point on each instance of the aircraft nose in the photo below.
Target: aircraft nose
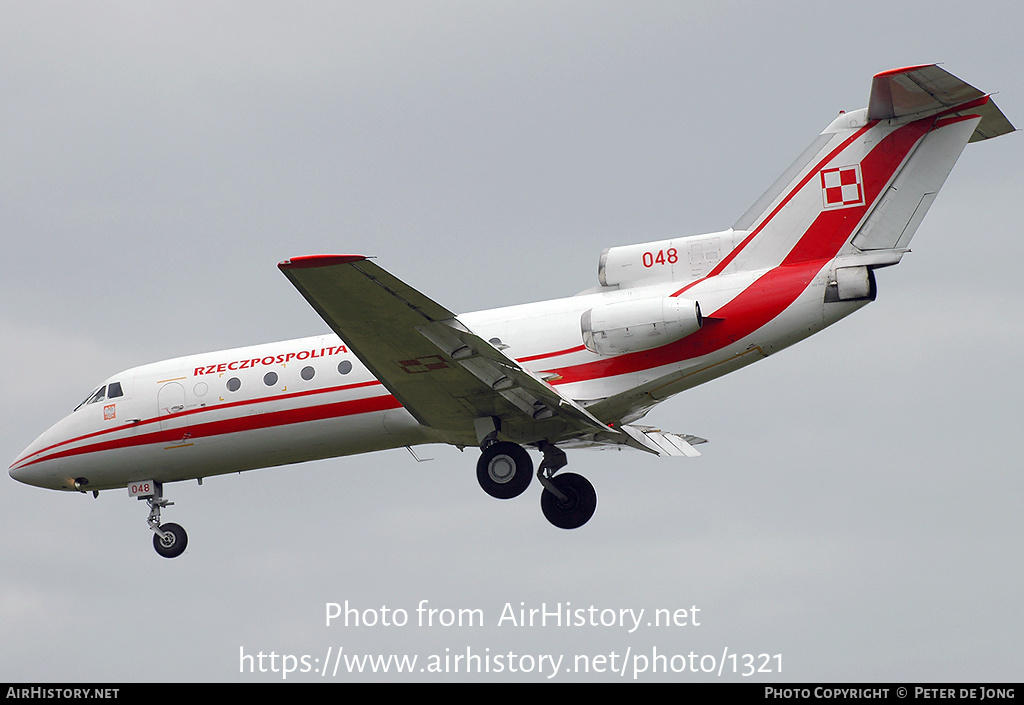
{"x": 45, "y": 462}
{"x": 28, "y": 469}
{"x": 18, "y": 474}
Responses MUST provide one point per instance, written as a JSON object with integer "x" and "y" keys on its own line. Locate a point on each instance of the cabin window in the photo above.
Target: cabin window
{"x": 307, "y": 373}
{"x": 234, "y": 384}
{"x": 270, "y": 379}
{"x": 345, "y": 366}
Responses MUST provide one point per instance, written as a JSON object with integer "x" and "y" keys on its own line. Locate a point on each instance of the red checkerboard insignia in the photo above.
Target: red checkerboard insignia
{"x": 842, "y": 187}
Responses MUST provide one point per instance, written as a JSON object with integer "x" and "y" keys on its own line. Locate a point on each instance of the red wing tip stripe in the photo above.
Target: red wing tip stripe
{"x": 312, "y": 261}
{"x": 905, "y": 69}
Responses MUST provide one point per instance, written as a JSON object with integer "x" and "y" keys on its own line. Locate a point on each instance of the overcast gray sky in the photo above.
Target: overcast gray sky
{"x": 857, "y": 509}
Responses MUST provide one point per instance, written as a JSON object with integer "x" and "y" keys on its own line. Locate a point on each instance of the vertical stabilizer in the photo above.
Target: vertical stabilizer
{"x": 869, "y": 178}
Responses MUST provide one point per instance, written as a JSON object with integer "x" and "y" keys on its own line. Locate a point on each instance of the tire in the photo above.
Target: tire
{"x": 504, "y": 470}
{"x": 580, "y": 504}
{"x": 173, "y": 545}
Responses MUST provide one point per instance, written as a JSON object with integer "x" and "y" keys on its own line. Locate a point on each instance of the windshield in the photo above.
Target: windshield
{"x": 107, "y": 391}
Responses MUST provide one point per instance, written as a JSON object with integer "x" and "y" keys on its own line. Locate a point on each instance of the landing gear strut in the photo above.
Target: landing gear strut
{"x": 170, "y": 539}
{"x": 569, "y": 500}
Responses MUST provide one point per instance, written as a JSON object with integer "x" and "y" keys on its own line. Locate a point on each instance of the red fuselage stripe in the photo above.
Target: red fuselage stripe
{"x": 237, "y": 424}
{"x": 557, "y": 353}
{"x": 190, "y": 412}
{"x": 777, "y": 289}
{"x": 803, "y": 182}
{"x": 754, "y": 307}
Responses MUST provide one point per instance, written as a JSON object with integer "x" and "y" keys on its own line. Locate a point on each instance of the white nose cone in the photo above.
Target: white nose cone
{"x": 19, "y": 471}
{"x": 31, "y": 469}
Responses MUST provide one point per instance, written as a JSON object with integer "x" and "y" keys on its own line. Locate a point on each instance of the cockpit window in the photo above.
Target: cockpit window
{"x": 94, "y": 396}
{"x": 107, "y": 391}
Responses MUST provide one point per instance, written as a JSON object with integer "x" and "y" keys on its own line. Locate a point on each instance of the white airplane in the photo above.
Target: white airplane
{"x": 403, "y": 370}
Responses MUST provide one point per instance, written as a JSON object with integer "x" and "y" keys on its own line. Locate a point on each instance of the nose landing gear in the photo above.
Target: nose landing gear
{"x": 169, "y": 539}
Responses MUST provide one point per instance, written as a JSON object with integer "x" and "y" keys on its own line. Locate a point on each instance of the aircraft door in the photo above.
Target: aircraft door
{"x": 170, "y": 404}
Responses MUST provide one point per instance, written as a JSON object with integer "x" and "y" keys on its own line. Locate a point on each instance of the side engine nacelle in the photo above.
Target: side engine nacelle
{"x": 679, "y": 259}
{"x": 634, "y": 326}
{"x": 853, "y": 283}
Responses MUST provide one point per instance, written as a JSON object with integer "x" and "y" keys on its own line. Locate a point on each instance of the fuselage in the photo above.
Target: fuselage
{"x": 310, "y": 398}
{"x": 668, "y": 316}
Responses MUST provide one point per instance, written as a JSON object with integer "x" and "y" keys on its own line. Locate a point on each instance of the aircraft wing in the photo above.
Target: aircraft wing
{"x": 444, "y": 374}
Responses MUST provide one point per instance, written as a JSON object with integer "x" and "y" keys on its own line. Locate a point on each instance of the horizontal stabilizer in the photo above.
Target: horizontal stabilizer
{"x": 915, "y": 92}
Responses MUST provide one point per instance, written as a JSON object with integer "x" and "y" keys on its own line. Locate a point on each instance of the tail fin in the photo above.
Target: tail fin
{"x": 868, "y": 179}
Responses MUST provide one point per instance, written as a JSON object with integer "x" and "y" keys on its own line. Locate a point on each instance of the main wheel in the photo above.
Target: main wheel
{"x": 173, "y": 541}
{"x": 504, "y": 470}
{"x": 578, "y": 506}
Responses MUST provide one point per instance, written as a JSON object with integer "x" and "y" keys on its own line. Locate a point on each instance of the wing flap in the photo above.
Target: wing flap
{"x": 505, "y": 376}
{"x": 662, "y": 443}
{"x": 646, "y": 438}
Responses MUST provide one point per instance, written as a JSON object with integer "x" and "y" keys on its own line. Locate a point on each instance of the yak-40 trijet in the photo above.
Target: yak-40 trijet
{"x": 402, "y": 369}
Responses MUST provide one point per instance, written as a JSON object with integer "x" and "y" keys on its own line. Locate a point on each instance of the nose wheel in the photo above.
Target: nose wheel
{"x": 169, "y": 539}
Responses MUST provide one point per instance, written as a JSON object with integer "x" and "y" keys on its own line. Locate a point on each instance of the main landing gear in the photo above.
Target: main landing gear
{"x": 504, "y": 471}
{"x": 169, "y": 539}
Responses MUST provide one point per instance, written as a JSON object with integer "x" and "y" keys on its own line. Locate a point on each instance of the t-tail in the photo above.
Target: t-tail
{"x": 856, "y": 195}
{"x": 864, "y": 185}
